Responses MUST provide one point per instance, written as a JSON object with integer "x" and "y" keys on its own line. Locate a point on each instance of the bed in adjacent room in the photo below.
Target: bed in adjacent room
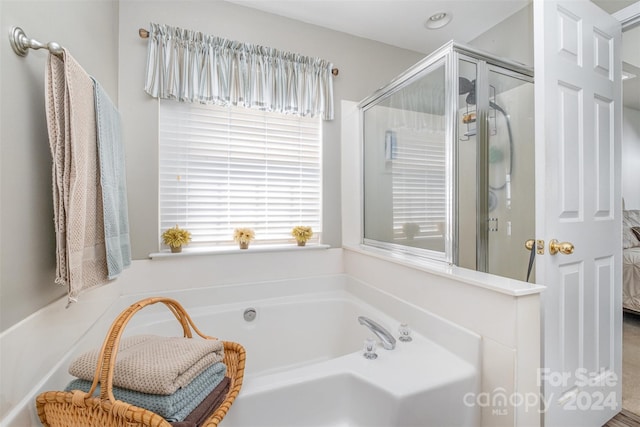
{"x": 631, "y": 260}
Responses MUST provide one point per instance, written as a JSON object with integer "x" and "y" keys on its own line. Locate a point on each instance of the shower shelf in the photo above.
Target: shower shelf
{"x": 469, "y": 118}
{"x": 470, "y": 124}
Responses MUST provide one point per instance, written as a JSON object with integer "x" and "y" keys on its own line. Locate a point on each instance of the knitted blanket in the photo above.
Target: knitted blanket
{"x": 173, "y": 407}
{"x": 154, "y": 364}
{"x": 80, "y": 253}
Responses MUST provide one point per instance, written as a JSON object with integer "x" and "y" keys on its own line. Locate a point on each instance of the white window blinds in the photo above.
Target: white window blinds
{"x": 418, "y": 182}
{"x": 226, "y": 167}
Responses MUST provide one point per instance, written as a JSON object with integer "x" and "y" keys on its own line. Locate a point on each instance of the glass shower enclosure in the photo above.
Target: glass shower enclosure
{"x": 448, "y": 162}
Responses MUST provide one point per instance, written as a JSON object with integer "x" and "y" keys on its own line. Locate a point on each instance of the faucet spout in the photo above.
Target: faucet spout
{"x": 388, "y": 341}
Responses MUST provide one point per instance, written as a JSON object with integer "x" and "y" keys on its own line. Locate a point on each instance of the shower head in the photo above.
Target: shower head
{"x": 467, "y": 86}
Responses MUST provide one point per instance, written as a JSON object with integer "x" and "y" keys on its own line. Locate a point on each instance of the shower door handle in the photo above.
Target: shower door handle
{"x": 562, "y": 247}
{"x": 538, "y": 245}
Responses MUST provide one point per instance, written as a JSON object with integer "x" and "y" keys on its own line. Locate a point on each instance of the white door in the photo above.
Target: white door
{"x": 578, "y": 197}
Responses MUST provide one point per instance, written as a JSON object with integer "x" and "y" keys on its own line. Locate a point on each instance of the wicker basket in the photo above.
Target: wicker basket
{"x": 77, "y": 408}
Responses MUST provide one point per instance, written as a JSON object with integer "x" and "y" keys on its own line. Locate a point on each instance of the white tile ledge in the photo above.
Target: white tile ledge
{"x": 484, "y": 280}
{"x": 187, "y": 252}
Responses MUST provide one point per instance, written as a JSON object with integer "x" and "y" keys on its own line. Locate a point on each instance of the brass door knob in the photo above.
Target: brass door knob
{"x": 562, "y": 247}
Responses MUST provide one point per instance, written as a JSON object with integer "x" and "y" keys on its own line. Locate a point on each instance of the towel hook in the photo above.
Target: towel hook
{"x": 21, "y": 43}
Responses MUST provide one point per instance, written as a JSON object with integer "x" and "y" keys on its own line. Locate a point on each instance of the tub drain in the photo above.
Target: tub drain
{"x": 250, "y": 314}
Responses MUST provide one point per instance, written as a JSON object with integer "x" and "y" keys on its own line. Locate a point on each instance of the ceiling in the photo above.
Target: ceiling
{"x": 398, "y": 23}
{"x": 401, "y": 23}
{"x": 612, "y": 6}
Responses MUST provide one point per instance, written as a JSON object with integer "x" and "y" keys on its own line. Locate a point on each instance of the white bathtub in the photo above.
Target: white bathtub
{"x": 304, "y": 356}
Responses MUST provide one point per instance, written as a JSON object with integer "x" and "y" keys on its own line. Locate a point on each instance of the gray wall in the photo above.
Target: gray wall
{"x": 631, "y": 120}
{"x": 364, "y": 66}
{"x": 631, "y": 158}
{"x": 103, "y": 36}
{"x": 511, "y": 38}
{"x": 27, "y": 242}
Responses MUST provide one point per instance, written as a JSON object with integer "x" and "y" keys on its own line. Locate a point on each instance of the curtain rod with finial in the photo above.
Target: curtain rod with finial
{"x": 145, "y": 35}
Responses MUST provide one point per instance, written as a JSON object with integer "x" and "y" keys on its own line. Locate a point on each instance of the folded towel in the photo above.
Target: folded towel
{"x": 113, "y": 183}
{"x": 174, "y": 407}
{"x": 154, "y": 364}
{"x": 71, "y": 122}
{"x": 203, "y": 411}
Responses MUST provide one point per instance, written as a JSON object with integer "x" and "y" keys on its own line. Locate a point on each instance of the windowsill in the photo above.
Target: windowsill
{"x": 225, "y": 250}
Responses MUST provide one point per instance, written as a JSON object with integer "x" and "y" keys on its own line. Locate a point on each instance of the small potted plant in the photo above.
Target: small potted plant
{"x": 410, "y": 230}
{"x": 175, "y": 238}
{"x": 243, "y": 236}
{"x": 302, "y": 233}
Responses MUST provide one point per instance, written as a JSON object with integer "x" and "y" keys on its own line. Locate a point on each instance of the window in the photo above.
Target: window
{"x": 228, "y": 167}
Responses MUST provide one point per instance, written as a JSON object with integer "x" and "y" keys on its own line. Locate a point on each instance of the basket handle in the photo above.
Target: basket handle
{"x": 107, "y": 358}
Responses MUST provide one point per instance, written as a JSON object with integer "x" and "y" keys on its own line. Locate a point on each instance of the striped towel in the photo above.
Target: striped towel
{"x": 173, "y": 407}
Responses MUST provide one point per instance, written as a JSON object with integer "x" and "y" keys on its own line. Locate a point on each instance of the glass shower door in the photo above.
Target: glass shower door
{"x": 405, "y": 178}
{"x": 448, "y": 162}
{"x": 468, "y": 130}
{"x": 511, "y": 192}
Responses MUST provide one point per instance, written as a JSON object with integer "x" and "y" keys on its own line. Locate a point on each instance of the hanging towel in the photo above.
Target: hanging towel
{"x": 113, "y": 183}
{"x": 61, "y": 156}
{"x": 71, "y": 120}
{"x": 154, "y": 364}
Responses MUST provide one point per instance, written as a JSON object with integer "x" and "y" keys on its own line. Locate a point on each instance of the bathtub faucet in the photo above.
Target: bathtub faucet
{"x": 388, "y": 341}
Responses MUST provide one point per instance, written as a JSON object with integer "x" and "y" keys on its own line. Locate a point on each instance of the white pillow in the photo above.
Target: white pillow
{"x": 630, "y": 218}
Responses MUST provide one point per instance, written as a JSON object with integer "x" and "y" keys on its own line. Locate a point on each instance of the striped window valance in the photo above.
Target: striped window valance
{"x": 190, "y": 66}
